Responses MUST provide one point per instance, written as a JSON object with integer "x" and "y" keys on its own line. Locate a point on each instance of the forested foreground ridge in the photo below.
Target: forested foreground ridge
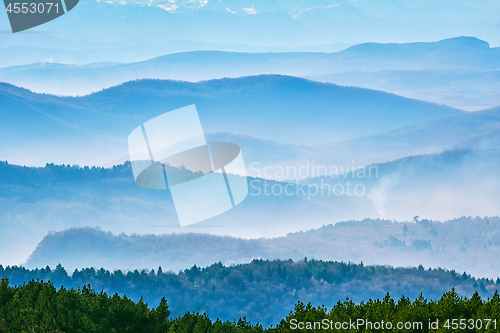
{"x": 39, "y": 307}
{"x": 262, "y": 291}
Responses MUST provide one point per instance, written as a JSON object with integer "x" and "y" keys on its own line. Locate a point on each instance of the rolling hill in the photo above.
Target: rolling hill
{"x": 462, "y": 244}
{"x": 93, "y": 129}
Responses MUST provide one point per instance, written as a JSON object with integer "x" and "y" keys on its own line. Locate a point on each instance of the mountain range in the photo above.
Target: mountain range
{"x": 427, "y": 159}
{"x": 129, "y": 31}
{"x": 453, "y": 55}
{"x": 357, "y": 142}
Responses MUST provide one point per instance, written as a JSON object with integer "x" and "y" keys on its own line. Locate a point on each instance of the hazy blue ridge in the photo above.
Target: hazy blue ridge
{"x": 133, "y": 31}
{"x": 295, "y": 110}
{"x": 454, "y": 55}
{"x": 465, "y": 89}
{"x": 462, "y": 244}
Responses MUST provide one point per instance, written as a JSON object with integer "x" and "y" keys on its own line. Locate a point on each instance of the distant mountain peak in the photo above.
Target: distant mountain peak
{"x": 455, "y": 45}
{"x": 465, "y": 42}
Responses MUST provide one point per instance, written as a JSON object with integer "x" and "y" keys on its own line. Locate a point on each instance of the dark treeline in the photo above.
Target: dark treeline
{"x": 262, "y": 291}
{"x": 40, "y": 307}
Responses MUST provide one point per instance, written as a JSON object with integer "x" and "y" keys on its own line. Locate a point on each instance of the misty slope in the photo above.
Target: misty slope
{"x": 36, "y": 200}
{"x": 464, "y": 244}
{"x": 455, "y": 54}
{"x": 475, "y": 130}
{"x": 93, "y": 129}
{"x": 440, "y": 186}
{"x": 490, "y": 140}
{"x": 464, "y": 89}
{"x": 427, "y": 137}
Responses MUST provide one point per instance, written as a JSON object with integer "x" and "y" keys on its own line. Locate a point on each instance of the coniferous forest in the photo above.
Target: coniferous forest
{"x": 278, "y": 296}
{"x": 39, "y": 307}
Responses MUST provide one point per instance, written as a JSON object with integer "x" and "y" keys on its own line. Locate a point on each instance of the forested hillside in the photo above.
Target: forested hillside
{"x": 262, "y": 291}
{"x": 40, "y": 307}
